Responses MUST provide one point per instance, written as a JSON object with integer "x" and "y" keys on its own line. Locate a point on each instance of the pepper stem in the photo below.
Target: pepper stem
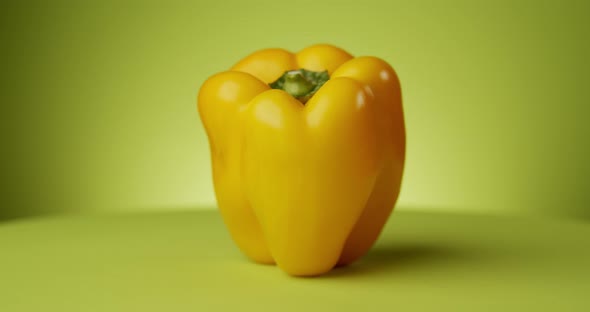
{"x": 301, "y": 84}
{"x": 296, "y": 84}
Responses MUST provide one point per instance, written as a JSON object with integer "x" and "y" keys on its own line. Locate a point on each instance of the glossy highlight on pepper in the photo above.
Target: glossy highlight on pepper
{"x": 306, "y": 184}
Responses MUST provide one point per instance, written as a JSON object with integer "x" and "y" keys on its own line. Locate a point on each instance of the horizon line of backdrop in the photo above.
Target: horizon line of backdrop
{"x": 99, "y": 107}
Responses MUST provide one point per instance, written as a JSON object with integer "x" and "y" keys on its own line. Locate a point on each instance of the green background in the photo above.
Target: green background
{"x": 99, "y": 116}
{"x": 98, "y": 98}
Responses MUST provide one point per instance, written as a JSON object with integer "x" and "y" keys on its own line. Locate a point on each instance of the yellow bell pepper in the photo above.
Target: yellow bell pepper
{"x": 306, "y": 171}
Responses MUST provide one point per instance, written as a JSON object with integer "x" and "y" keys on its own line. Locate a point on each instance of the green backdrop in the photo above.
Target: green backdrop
{"x": 99, "y": 113}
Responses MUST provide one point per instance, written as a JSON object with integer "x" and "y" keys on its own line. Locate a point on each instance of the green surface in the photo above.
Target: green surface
{"x": 98, "y": 99}
{"x": 185, "y": 261}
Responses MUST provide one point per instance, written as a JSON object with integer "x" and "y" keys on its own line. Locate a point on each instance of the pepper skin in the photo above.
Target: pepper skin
{"x": 308, "y": 187}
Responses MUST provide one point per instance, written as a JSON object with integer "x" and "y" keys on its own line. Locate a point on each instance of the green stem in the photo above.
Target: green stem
{"x": 301, "y": 84}
{"x": 296, "y": 84}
